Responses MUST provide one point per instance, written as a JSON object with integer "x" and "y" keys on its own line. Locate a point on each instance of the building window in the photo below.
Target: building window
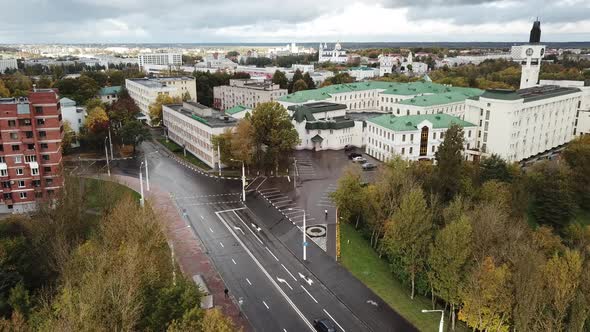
{"x": 18, "y": 159}
{"x": 42, "y": 134}
{"x": 29, "y": 159}
{"x": 21, "y": 183}
{"x": 48, "y": 182}
{"x": 432, "y": 149}
{"x": 411, "y": 137}
{"x": 12, "y": 123}
{"x": 40, "y": 122}
{"x": 434, "y": 135}
{"x": 469, "y": 133}
{"x": 7, "y": 196}
{"x": 15, "y": 147}
{"x": 36, "y": 183}
{"x": 31, "y": 146}
{"x": 13, "y": 135}
{"x": 44, "y": 146}
{"x": 403, "y": 150}
{"x": 6, "y": 184}
{"x": 34, "y": 171}
{"x": 47, "y": 169}
{"x": 485, "y": 137}
{"x": 20, "y": 171}
{"x": 487, "y": 114}
{"x": 411, "y": 150}
{"x": 3, "y": 172}
{"x": 23, "y": 195}
{"x": 38, "y": 109}
{"x": 403, "y": 138}
{"x": 45, "y": 157}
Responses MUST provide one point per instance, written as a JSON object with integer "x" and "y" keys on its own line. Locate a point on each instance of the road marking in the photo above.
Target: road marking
{"x": 282, "y": 201}
{"x": 266, "y": 305}
{"x": 249, "y": 283}
{"x": 251, "y": 231}
{"x": 268, "y": 189}
{"x": 332, "y": 318}
{"x": 284, "y": 281}
{"x": 307, "y": 280}
{"x": 291, "y": 274}
{"x": 221, "y": 244}
{"x": 326, "y": 205}
{"x": 202, "y": 218}
{"x": 239, "y": 229}
{"x": 234, "y": 261}
{"x": 280, "y": 290}
{"x": 273, "y": 255}
{"x": 292, "y": 212}
{"x": 308, "y": 293}
{"x": 261, "y": 183}
{"x": 211, "y": 230}
{"x": 228, "y": 210}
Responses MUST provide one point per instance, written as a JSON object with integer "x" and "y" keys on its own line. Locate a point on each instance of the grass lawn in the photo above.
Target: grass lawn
{"x": 364, "y": 263}
{"x": 99, "y": 193}
{"x": 177, "y": 150}
{"x": 582, "y": 217}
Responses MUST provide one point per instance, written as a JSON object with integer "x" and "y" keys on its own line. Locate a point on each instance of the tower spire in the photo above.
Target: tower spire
{"x": 535, "y": 36}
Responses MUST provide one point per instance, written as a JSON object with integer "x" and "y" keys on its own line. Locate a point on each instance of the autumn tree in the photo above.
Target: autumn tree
{"x": 155, "y": 109}
{"x": 487, "y": 299}
{"x": 349, "y": 197}
{"x": 577, "y": 157}
{"x": 299, "y": 85}
{"x": 242, "y": 141}
{"x": 274, "y": 136}
{"x": 134, "y": 133}
{"x": 449, "y": 260}
{"x": 409, "y": 234}
{"x": 223, "y": 144}
{"x": 309, "y": 81}
{"x": 68, "y": 138}
{"x": 449, "y": 158}
{"x": 4, "y": 92}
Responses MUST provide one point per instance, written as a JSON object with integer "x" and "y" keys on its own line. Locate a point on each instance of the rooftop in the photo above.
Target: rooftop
{"x": 159, "y": 82}
{"x": 109, "y": 90}
{"x": 306, "y": 111}
{"x": 393, "y": 88}
{"x": 410, "y": 122}
{"x": 456, "y": 95}
{"x": 528, "y": 94}
{"x": 213, "y": 119}
{"x": 235, "y": 109}
{"x": 67, "y": 102}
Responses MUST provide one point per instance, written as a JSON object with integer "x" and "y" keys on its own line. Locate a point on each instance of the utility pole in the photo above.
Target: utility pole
{"x": 295, "y": 174}
{"x": 243, "y": 179}
{"x": 304, "y": 243}
{"x": 141, "y": 199}
{"x": 147, "y": 178}
{"x": 442, "y": 318}
{"x": 219, "y": 158}
{"x": 111, "y": 143}
{"x": 106, "y": 153}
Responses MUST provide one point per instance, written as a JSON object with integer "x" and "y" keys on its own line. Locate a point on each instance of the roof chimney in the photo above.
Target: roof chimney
{"x": 535, "y": 32}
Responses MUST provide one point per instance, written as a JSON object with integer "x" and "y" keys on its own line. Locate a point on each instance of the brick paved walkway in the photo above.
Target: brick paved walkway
{"x": 188, "y": 249}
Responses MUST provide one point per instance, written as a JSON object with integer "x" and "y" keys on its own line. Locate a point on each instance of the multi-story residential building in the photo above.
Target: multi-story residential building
{"x": 246, "y": 92}
{"x": 520, "y": 124}
{"x": 30, "y": 151}
{"x": 109, "y": 94}
{"x": 166, "y": 59}
{"x": 582, "y": 123}
{"x": 191, "y": 125}
{"x": 363, "y": 73}
{"x": 303, "y": 68}
{"x": 412, "y": 137}
{"x": 7, "y": 64}
{"x": 74, "y": 115}
{"x": 145, "y": 91}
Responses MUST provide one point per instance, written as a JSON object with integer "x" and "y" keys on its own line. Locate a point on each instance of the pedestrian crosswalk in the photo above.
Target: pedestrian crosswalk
{"x": 326, "y": 200}
{"x": 304, "y": 168}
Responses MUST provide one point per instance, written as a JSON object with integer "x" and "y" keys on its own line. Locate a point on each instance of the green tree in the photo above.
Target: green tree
{"x": 123, "y": 110}
{"x": 449, "y": 159}
{"x": 494, "y": 168}
{"x": 449, "y": 260}
{"x": 155, "y": 109}
{"x": 20, "y": 300}
{"x": 94, "y": 103}
{"x": 409, "y": 234}
{"x": 44, "y": 82}
{"x": 309, "y": 81}
{"x": 224, "y": 142}
{"x": 349, "y": 197}
{"x": 242, "y": 141}
{"x": 577, "y": 157}
{"x": 299, "y": 85}
{"x": 296, "y": 77}
{"x": 274, "y": 136}
{"x": 134, "y": 133}
{"x": 68, "y": 138}
{"x": 487, "y": 299}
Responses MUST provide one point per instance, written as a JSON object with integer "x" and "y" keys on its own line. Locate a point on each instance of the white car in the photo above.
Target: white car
{"x": 361, "y": 160}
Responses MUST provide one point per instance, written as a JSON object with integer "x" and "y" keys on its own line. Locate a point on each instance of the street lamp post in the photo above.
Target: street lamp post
{"x": 106, "y": 153}
{"x": 147, "y": 177}
{"x": 111, "y": 143}
{"x": 294, "y": 174}
{"x": 141, "y": 199}
{"x": 219, "y": 159}
{"x": 442, "y": 317}
{"x": 243, "y": 179}
{"x": 304, "y": 233}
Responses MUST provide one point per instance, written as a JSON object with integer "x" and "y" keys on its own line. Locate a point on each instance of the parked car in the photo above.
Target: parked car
{"x": 368, "y": 166}
{"x": 324, "y": 325}
{"x": 361, "y": 160}
{"x": 348, "y": 148}
{"x": 354, "y": 155}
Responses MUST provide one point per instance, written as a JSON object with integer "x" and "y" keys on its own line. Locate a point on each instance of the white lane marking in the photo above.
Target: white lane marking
{"x": 291, "y": 274}
{"x": 221, "y": 244}
{"x": 326, "y": 205}
{"x": 234, "y": 261}
{"x": 268, "y": 189}
{"x": 279, "y": 289}
{"x": 202, "y": 218}
{"x": 308, "y": 293}
{"x": 239, "y": 229}
{"x": 307, "y": 280}
{"x": 261, "y": 183}
{"x": 249, "y": 283}
{"x": 285, "y": 282}
{"x": 282, "y": 201}
{"x": 284, "y": 330}
{"x": 211, "y": 230}
{"x": 332, "y": 318}
{"x": 266, "y": 305}
{"x": 228, "y": 210}
{"x": 273, "y": 255}
{"x": 251, "y": 231}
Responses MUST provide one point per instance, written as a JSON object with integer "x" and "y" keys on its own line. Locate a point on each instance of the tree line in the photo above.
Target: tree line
{"x": 95, "y": 262}
{"x": 497, "y": 246}
{"x": 263, "y": 140}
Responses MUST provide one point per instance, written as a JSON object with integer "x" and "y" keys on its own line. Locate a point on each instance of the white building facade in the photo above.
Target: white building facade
{"x": 191, "y": 125}
{"x": 145, "y": 91}
{"x": 414, "y": 137}
{"x": 246, "y": 92}
{"x": 363, "y": 73}
{"x": 74, "y": 115}
{"x": 336, "y": 55}
{"x": 7, "y": 64}
{"x": 165, "y": 59}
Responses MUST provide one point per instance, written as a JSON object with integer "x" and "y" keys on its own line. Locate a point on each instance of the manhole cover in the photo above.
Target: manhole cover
{"x": 316, "y": 231}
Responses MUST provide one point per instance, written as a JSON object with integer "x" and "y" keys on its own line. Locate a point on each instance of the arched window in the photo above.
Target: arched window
{"x": 424, "y": 141}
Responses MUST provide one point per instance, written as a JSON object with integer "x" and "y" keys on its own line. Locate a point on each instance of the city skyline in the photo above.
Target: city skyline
{"x": 184, "y": 21}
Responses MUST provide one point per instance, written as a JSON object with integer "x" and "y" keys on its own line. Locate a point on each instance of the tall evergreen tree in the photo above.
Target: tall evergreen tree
{"x": 449, "y": 159}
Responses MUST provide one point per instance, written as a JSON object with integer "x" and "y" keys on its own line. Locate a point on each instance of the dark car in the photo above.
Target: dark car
{"x": 354, "y": 155}
{"x": 324, "y": 325}
{"x": 368, "y": 166}
{"x": 348, "y": 148}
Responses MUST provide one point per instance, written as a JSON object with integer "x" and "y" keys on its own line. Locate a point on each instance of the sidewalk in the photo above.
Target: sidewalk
{"x": 188, "y": 249}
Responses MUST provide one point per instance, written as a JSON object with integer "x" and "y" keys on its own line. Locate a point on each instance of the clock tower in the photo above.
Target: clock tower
{"x": 530, "y": 56}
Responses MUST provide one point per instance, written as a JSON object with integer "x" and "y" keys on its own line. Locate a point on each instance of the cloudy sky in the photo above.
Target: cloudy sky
{"x": 194, "y": 21}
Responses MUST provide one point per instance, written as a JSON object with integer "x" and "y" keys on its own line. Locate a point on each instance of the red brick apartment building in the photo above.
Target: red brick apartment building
{"x": 30, "y": 150}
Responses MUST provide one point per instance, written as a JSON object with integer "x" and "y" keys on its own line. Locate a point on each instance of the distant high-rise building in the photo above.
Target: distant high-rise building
{"x": 169, "y": 59}
{"x": 30, "y": 152}
{"x": 7, "y": 64}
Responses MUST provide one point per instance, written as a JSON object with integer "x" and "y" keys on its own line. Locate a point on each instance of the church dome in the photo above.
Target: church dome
{"x": 338, "y": 47}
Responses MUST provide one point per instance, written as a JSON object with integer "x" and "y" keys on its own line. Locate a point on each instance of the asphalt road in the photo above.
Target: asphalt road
{"x": 278, "y": 291}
